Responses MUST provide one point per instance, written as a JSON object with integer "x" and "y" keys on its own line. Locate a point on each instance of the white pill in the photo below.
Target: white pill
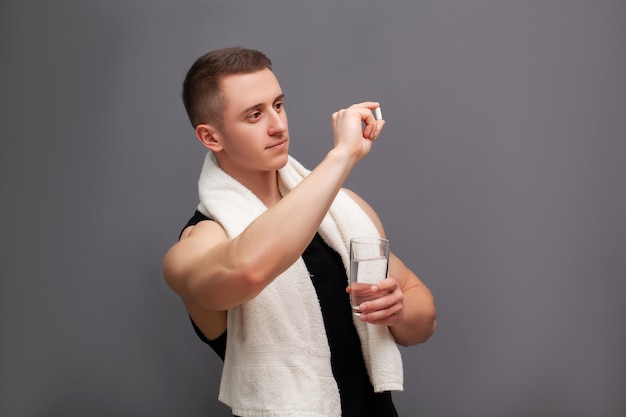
{"x": 378, "y": 114}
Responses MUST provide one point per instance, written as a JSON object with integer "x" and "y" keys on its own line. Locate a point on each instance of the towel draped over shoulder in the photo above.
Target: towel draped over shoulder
{"x": 277, "y": 356}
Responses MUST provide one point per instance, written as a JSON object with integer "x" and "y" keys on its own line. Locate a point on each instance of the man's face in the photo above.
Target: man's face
{"x": 254, "y": 133}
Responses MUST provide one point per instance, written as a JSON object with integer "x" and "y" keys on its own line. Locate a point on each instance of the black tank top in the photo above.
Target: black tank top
{"x": 329, "y": 279}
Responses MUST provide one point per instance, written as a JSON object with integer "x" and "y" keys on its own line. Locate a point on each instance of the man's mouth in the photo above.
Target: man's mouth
{"x": 277, "y": 144}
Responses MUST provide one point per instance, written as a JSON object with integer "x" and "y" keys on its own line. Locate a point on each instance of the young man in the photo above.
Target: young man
{"x": 262, "y": 265}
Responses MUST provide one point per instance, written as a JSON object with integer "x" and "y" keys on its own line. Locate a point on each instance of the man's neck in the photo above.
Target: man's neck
{"x": 263, "y": 184}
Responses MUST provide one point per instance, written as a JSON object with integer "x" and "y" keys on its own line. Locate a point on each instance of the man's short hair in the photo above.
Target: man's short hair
{"x": 202, "y": 95}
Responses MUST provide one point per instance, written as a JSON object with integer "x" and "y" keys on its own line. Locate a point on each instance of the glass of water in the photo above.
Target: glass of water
{"x": 369, "y": 264}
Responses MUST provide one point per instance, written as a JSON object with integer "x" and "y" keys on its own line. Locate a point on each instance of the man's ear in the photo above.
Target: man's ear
{"x": 209, "y": 137}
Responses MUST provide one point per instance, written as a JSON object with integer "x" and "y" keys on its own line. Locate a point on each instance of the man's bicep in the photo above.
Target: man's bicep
{"x": 182, "y": 262}
{"x": 406, "y": 278}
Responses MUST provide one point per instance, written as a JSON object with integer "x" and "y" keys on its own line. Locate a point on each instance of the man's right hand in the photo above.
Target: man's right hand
{"x": 349, "y": 132}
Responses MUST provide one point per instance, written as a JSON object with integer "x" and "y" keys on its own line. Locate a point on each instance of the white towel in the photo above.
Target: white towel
{"x": 277, "y": 347}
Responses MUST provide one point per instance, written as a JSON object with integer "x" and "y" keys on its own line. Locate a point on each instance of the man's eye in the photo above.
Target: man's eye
{"x": 279, "y": 105}
{"x": 254, "y": 116}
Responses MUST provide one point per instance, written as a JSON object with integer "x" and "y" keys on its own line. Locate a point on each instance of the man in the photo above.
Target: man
{"x": 261, "y": 266}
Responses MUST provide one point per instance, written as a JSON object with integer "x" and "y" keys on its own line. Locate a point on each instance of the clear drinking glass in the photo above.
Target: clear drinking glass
{"x": 369, "y": 264}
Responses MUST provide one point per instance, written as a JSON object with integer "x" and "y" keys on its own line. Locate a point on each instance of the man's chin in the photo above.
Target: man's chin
{"x": 282, "y": 162}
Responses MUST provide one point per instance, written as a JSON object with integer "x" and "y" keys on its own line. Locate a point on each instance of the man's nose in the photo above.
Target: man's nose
{"x": 278, "y": 123}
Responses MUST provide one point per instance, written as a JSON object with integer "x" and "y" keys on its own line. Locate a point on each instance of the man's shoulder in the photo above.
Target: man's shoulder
{"x": 194, "y": 220}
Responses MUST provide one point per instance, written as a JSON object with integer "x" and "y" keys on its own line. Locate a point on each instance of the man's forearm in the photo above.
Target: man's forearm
{"x": 277, "y": 238}
{"x": 418, "y": 322}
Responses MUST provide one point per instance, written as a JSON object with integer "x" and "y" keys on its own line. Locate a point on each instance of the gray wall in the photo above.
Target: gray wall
{"x": 500, "y": 178}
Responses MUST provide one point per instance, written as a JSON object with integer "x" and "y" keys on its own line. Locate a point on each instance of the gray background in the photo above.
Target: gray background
{"x": 500, "y": 178}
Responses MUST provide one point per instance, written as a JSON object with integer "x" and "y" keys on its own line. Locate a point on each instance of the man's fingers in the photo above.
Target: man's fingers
{"x": 366, "y": 104}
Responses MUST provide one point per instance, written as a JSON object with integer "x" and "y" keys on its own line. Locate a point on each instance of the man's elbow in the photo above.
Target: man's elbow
{"x": 422, "y": 331}
{"x": 428, "y": 332}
